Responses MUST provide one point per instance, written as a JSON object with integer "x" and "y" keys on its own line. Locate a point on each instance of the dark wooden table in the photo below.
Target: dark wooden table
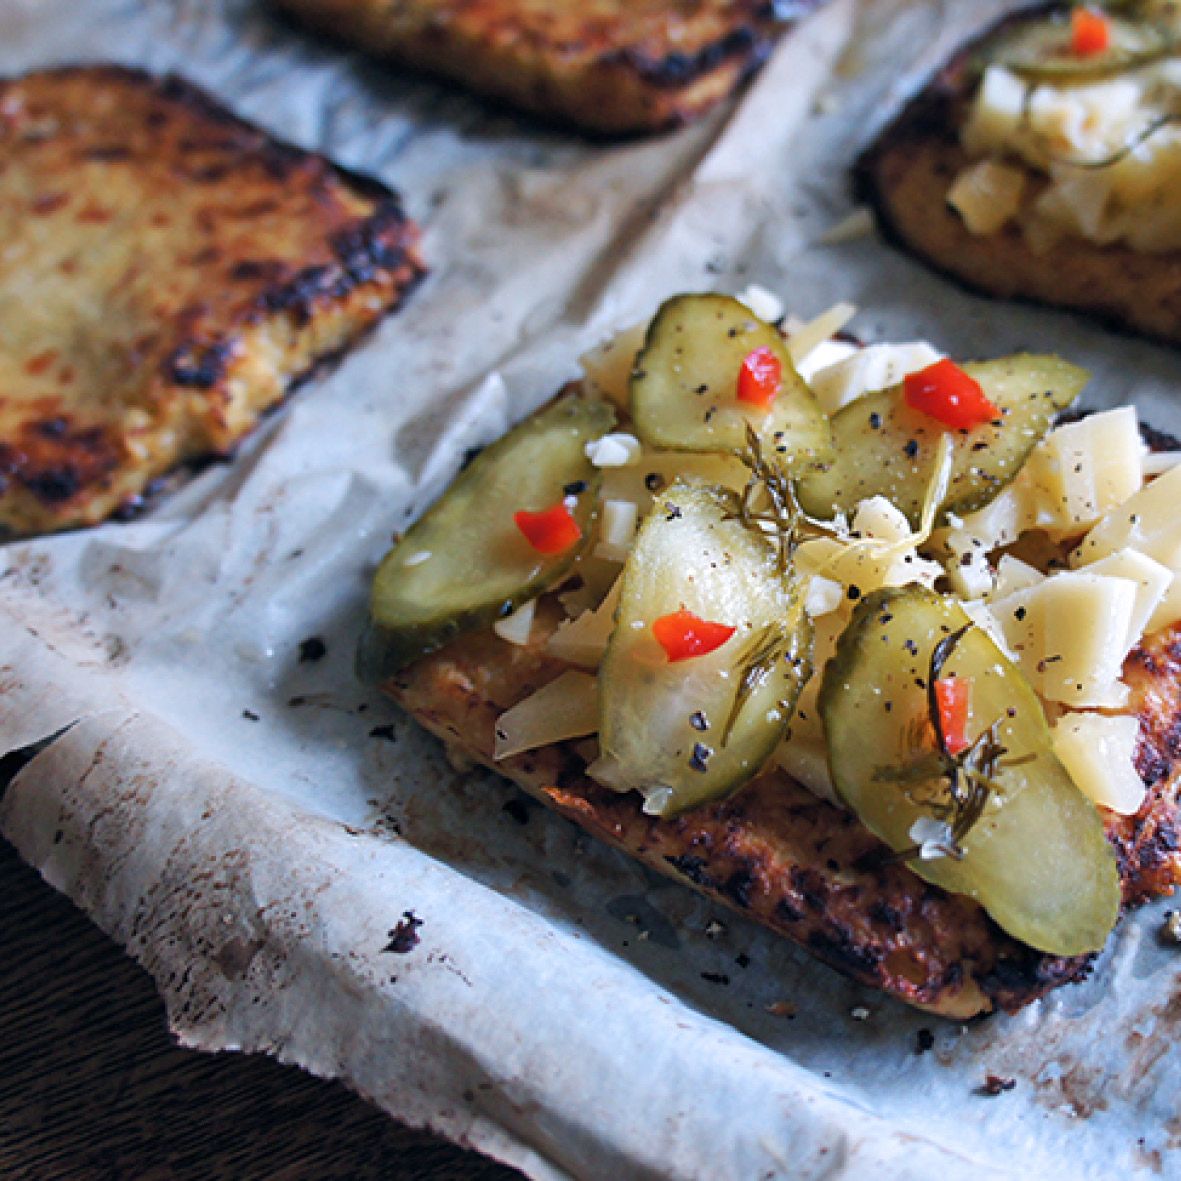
{"x": 93, "y": 1089}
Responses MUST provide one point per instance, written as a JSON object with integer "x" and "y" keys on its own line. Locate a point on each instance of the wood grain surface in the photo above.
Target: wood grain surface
{"x": 93, "y": 1089}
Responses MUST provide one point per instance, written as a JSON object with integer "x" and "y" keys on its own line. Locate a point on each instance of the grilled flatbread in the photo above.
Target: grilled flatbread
{"x": 906, "y": 177}
{"x": 611, "y": 66}
{"x": 168, "y": 270}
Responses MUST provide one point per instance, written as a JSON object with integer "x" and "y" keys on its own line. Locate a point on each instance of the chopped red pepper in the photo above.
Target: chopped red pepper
{"x": 1090, "y": 32}
{"x": 759, "y": 378}
{"x": 684, "y": 635}
{"x": 952, "y": 695}
{"x": 550, "y": 531}
{"x": 947, "y": 393}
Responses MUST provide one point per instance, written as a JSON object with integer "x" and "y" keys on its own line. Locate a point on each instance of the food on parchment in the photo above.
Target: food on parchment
{"x": 1042, "y": 162}
{"x": 168, "y": 270}
{"x": 888, "y": 667}
{"x": 612, "y": 66}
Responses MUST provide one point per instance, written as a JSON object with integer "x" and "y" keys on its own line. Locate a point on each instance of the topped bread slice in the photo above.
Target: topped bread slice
{"x": 1044, "y": 179}
{"x": 167, "y": 271}
{"x": 612, "y": 66}
{"x": 892, "y": 678}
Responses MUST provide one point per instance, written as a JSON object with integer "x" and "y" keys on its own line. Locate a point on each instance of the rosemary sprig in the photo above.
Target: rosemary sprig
{"x": 764, "y": 649}
{"x": 769, "y": 503}
{"x": 969, "y": 776}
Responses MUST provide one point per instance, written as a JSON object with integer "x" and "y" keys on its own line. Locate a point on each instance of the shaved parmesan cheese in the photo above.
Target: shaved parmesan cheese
{"x": 765, "y": 304}
{"x": 1152, "y": 581}
{"x": 1070, "y": 636}
{"x": 987, "y": 195}
{"x": 1012, "y": 574}
{"x": 874, "y": 368}
{"x": 1148, "y": 522}
{"x": 583, "y": 641}
{"x": 996, "y": 115}
{"x": 1099, "y": 753}
{"x": 826, "y": 353}
{"x": 608, "y": 367}
{"x": 517, "y": 627}
{"x": 805, "y": 338}
{"x": 1082, "y": 470}
{"x": 568, "y": 707}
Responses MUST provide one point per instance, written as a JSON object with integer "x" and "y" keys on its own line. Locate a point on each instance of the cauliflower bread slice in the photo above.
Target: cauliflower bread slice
{"x": 1066, "y": 237}
{"x": 168, "y": 270}
{"x": 755, "y": 665}
{"x": 609, "y": 66}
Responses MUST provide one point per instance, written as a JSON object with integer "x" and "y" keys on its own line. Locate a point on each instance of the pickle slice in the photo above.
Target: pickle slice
{"x": 685, "y": 382}
{"x": 883, "y": 447}
{"x": 1041, "y": 51}
{"x": 697, "y": 729}
{"x": 465, "y": 562}
{"x": 1036, "y": 859}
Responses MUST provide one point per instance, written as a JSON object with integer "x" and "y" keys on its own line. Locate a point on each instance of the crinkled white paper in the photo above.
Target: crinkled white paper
{"x": 269, "y": 838}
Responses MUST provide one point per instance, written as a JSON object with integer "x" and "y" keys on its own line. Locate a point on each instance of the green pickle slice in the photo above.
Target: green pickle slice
{"x": 1037, "y": 858}
{"x": 684, "y": 385}
{"x": 1041, "y": 51}
{"x": 695, "y": 730}
{"x": 886, "y": 448}
{"x": 465, "y": 563}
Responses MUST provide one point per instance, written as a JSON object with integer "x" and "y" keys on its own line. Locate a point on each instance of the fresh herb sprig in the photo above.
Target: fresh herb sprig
{"x": 970, "y": 776}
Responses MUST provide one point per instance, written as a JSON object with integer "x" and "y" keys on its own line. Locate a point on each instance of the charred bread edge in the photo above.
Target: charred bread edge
{"x": 744, "y": 49}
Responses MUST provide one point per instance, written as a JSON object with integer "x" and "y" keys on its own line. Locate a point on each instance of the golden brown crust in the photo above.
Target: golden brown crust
{"x": 800, "y": 866}
{"x": 608, "y": 66}
{"x": 168, "y": 271}
{"x": 906, "y": 175}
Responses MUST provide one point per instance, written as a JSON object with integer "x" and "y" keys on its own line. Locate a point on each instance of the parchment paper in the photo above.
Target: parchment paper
{"x": 260, "y": 831}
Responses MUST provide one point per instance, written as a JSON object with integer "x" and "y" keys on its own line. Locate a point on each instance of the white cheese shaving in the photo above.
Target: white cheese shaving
{"x": 765, "y": 304}
{"x": 567, "y": 707}
{"x": 583, "y": 640}
{"x": 803, "y": 338}
{"x": 987, "y": 195}
{"x": 1099, "y": 753}
{"x": 876, "y": 367}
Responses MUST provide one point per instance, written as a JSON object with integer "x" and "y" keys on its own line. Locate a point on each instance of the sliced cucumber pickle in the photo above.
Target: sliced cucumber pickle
{"x": 684, "y": 388}
{"x": 1036, "y": 859}
{"x": 1042, "y": 51}
{"x": 465, "y": 562}
{"x": 886, "y": 448}
{"x": 697, "y": 729}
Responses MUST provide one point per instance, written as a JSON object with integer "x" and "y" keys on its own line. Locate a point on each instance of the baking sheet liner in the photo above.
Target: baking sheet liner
{"x": 304, "y": 873}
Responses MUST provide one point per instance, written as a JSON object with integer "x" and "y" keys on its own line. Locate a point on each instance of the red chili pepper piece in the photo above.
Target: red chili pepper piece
{"x": 684, "y": 635}
{"x": 759, "y": 378}
{"x": 1090, "y": 32}
{"x": 952, "y": 695}
{"x": 550, "y": 531}
{"x": 947, "y": 393}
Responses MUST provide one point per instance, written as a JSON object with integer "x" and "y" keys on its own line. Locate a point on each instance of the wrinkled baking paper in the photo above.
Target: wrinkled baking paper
{"x": 302, "y": 870}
